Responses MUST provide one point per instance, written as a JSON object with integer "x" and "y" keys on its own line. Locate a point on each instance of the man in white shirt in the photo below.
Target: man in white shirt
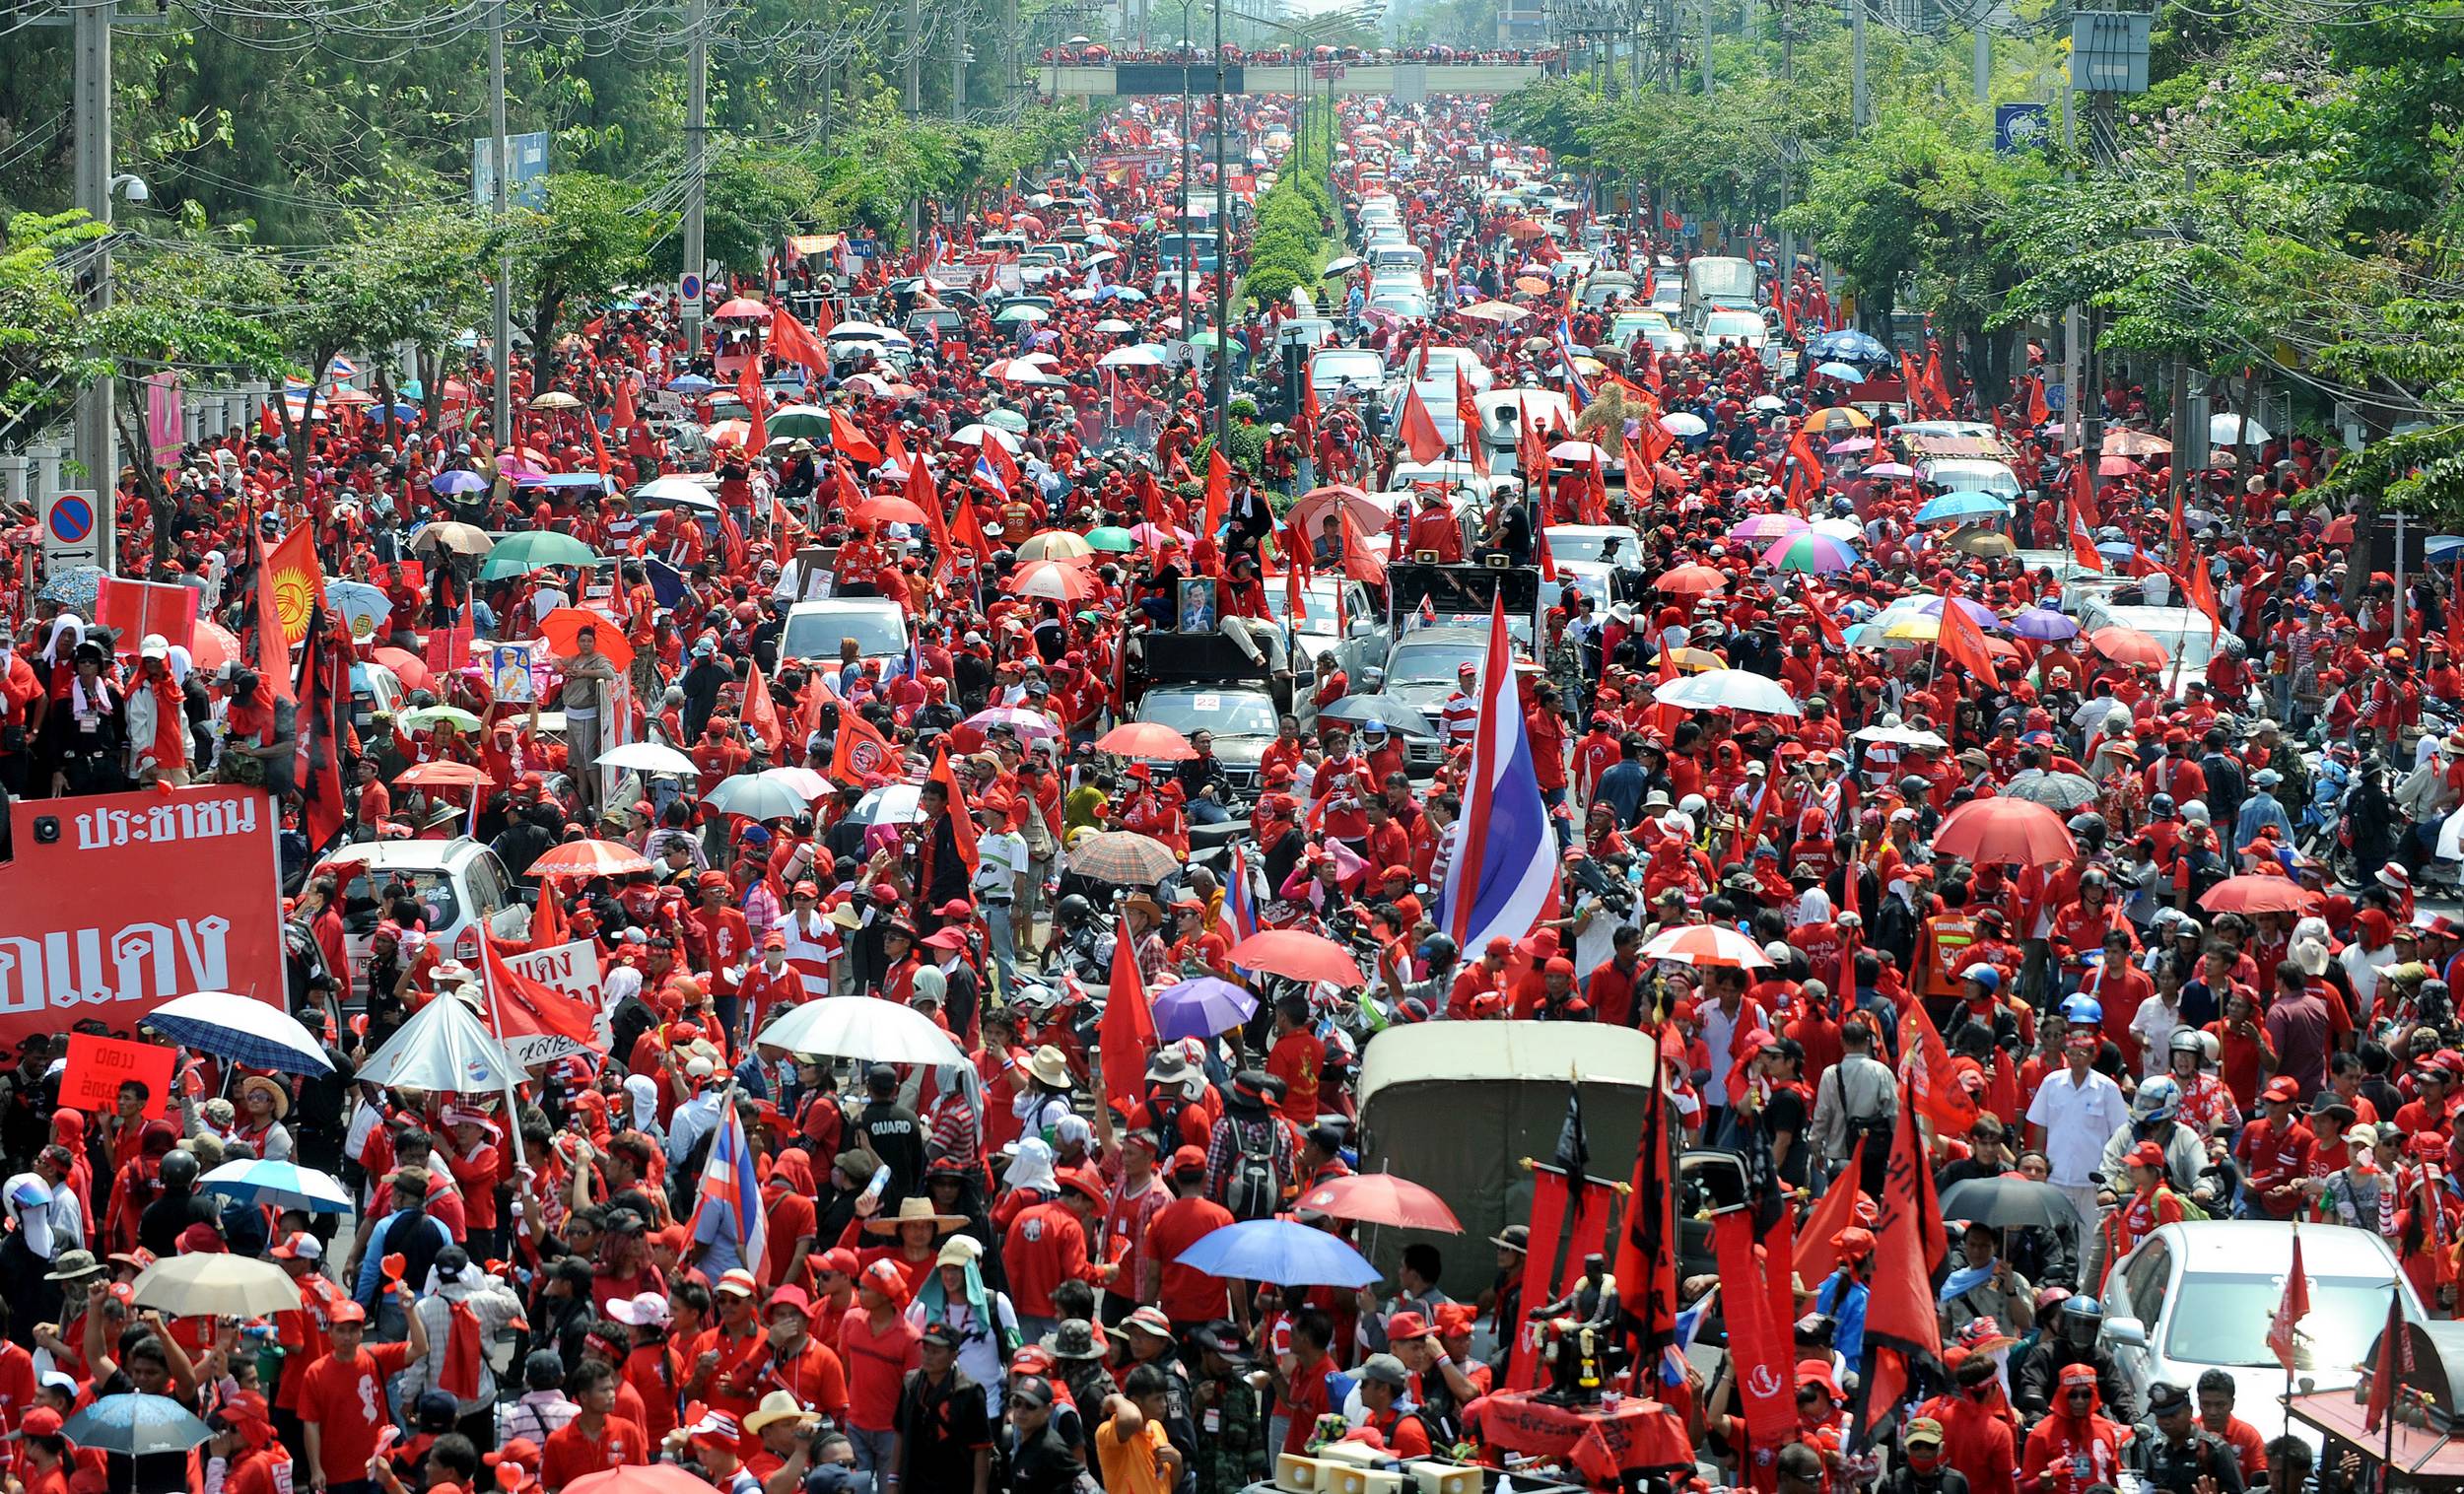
{"x": 1000, "y": 877}
{"x": 2073, "y": 1113}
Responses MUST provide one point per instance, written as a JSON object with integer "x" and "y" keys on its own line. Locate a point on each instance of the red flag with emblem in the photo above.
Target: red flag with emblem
{"x": 860, "y": 754}
{"x": 1909, "y": 1245}
{"x": 1925, "y": 1066}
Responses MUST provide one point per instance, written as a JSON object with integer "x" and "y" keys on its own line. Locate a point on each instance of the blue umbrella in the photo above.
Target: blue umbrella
{"x": 457, "y": 480}
{"x": 1840, "y": 370}
{"x": 1201, "y": 1009}
{"x": 279, "y": 1184}
{"x": 1280, "y": 1251}
{"x": 357, "y": 599}
{"x": 74, "y": 587}
{"x": 1848, "y": 346}
{"x": 1963, "y": 505}
{"x": 691, "y": 383}
{"x": 2114, "y": 549}
{"x": 136, "y": 1425}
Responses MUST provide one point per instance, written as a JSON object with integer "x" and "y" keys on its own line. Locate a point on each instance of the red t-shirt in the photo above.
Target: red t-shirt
{"x": 875, "y": 1365}
{"x": 1189, "y": 1295}
{"x": 347, "y": 1402}
{"x": 570, "y": 1453}
{"x": 1298, "y": 1058}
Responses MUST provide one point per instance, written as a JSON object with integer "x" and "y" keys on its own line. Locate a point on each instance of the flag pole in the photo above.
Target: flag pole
{"x": 2387, "y": 1362}
{"x": 496, "y": 1029}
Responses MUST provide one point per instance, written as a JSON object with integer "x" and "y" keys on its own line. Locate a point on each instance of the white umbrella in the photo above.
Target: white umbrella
{"x": 976, "y": 435}
{"x": 1707, "y": 944}
{"x": 1683, "y": 423}
{"x": 443, "y": 1048}
{"x": 2234, "y": 429}
{"x": 756, "y": 798}
{"x": 1847, "y": 529}
{"x": 1900, "y": 736}
{"x": 1140, "y": 356}
{"x": 1728, "y": 690}
{"x": 215, "y": 1285}
{"x": 648, "y": 757}
{"x": 242, "y": 1029}
{"x": 1113, "y": 324}
{"x": 863, "y": 1027}
{"x": 803, "y": 780}
{"x": 889, "y": 804}
{"x": 863, "y": 330}
{"x": 1577, "y": 450}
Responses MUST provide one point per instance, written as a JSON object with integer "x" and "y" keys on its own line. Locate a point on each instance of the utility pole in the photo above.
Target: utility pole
{"x": 958, "y": 68}
{"x": 1223, "y": 381}
{"x": 501, "y": 309}
{"x": 696, "y": 169}
{"x": 1188, "y": 248}
{"x": 1706, "y": 48}
{"x": 912, "y": 70}
{"x": 1984, "y": 60}
{"x": 97, "y": 443}
{"x": 1858, "y": 104}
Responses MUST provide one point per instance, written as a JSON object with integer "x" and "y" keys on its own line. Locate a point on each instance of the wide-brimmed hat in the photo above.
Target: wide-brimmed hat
{"x": 912, "y": 1212}
{"x": 1050, "y": 1065}
{"x": 73, "y": 1265}
{"x": 278, "y": 1096}
{"x": 777, "y": 1405}
{"x": 1073, "y": 1339}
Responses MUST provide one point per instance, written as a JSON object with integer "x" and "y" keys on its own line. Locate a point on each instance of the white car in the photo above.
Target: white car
{"x": 1444, "y": 362}
{"x": 458, "y": 884}
{"x": 816, "y": 629}
{"x": 1588, "y": 556}
{"x": 2199, "y": 1295}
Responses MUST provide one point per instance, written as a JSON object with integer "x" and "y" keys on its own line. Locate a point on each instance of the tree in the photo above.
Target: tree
{"x": 586, "y": 238}
{"x": 43, "y": 359}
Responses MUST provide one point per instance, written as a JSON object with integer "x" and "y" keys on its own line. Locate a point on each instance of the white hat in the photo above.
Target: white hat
{"x": 648, "y": 1310}
{"x": 154, "y": 646}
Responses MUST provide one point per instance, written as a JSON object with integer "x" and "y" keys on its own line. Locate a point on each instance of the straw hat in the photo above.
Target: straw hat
{"x": 276, "y": 1095}
{"x": 1050, "y": 1065}
{"x": 912, "y": 1212}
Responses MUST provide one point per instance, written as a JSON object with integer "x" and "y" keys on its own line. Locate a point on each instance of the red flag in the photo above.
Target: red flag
{"x": 625, "y": 416}
{"x": 1295, "y": 575}
{"x": 2199, "y": 589}
{"x": 1308, "y": 413}
{"x": 2392, "y": 1362}
{"x": 996, "y": 457}
{"x": 458, "y": 1375}
{"x": 966, "y": 530}
{"x": 1836, "y": 1210}
{"x": 1914, "y": 384}
{"x": 1541, "y": 552}
{"x": 1805, "y": 474}
{"x": 1417, "y": 431}
{"x": 897, "y": 447}
{"x": 962, "y": 814}
{"x": 520, "y": 1006}
{"x": 923, "y": 495}
{"x": 825, "y": 320}
{"x": 1936, "y": 389}
{"x": 547, "y": 922}
{"x": 1127, "y": 1034}
{"x": 132, "y": 609}
{"x": 1823, "y": 622}
{"x": 2283, "y": 1328}
{"x": 849, "y": 437}
{"x": 756, "y": 406}
{"x": 1358, "y": 563}
{"x": 1758, "y": 1340}
{"x": 1467, "y": 411}
{"x": 761, "y": 713}
{"x": 2083, "y": 499}
{"x": 860, "y": 754}
{"x": 1899, "y": 1319}
{"x": 273, "y": 651}
{"x": 1645, "y": 1265}
{"x": 1965, "y": 643}
{"x": 1925, "y": 1068}
{"x": 1218, "y": 493}
{"x": 791, "y": 342}
{"x": 324, "y": 726}
{"x": 2455, "y": 612}
{"x": 2038, "y": 412}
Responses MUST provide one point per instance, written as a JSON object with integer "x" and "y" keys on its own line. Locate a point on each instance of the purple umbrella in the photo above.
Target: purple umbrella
{"x": 1890, "y": 469}
{"x": 1769, "y": 526}
{"x": 457, "y": 481}
{"x": 1978, "y": 611}
{"x": 1201, "y": 1009}
{"x": 1858, "y": 444}
{"x": 2043, "y": 625}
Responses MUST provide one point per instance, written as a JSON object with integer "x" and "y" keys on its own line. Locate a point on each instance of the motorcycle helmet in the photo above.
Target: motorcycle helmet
{"x": 2082, "y": 1011}
{"x": 2087, "y": 822}
{"x": 1075, "y": 909}
{"x": 2157, "y": 1100}
{"x": 1438, "y": 949}
{"x": 2186, "y": 1041}
{"x": 1983, "y": 975}
{"x": 2161, "y": 806}
{"x": 180, "y": 1169}
{"x": 2082, "y": 1318}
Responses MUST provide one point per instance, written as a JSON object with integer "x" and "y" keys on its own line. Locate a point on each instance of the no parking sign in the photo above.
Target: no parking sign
{"x": 69, "y": 530}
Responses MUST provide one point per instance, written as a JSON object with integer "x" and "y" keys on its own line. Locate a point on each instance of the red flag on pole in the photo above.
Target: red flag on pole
{"x": 848, "y": 436}
{"x": 962, "y": 814}
{"x": 1817, "y": 1257}
{"x": 757, "y": 408}
{"x": 761, "y": 713}
{"x": 2038, "y": 412}
{"x": 2284, "y": 1330}
{"x": 2082, "y": 542}
{"x": 791, "y": 342}
{"x": 1417, "y": 430}
{"x": 1899, "y": 1318}
{"x": 273, "y": 651}
{"x": 1127, "y": 1034}
{"x": 1925, "y": 1066}
{"x": 1965, "y": 643}
{"x": 2392, "y": 1362}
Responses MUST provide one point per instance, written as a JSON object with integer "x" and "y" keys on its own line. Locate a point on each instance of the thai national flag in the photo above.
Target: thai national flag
{"x": 988, "y": 475}
{"x": 1240, "y": 900}
{"x": 732, "y": 1193}
{"x": 1578, "y": 388}
{"x": 1503, "y": 879}
{"x": 1672, "y": 1358}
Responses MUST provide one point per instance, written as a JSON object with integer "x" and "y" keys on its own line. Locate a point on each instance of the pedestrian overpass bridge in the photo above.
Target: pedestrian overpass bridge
{"x": 1405, "y": 82}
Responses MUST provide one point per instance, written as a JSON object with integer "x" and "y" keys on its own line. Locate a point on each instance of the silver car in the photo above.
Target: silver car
{"x": 2199, "y": 1295}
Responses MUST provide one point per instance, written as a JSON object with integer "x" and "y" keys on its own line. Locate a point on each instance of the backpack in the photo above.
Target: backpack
{"x": 1164, "y": 1116}
{"x": 1255, "y": 1188}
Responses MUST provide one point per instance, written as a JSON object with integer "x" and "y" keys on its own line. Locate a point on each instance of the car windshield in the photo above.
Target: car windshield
{"x": 1221, "y": 712}
{"x": 1432, "y": 663}
{"x": 433, "y": 890}
{"x": 1732, "y": 324}
{"x": 1616, "y": 547}
{"x": 1320, "y": 606}
{"x": 2224, "y": 1320}
{"x": 815, "y": 635}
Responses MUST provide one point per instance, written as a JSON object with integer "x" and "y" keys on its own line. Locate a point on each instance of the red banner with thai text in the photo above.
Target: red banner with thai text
{"x": 111, "y": 906}
{"x": 1561, "y": 1235}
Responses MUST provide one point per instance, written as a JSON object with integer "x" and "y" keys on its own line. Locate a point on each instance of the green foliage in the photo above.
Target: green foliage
{"x": 574, "y": 251}
{"x": 1291, "y": 243}
{"x": 43, "y": 362}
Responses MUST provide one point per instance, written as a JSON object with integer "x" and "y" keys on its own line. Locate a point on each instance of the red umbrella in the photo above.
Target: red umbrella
{"x": 563, "y": 629}
{"x": 1299, "y": 955}
{"x": 2128, "y": 645}
{"x": 2261, "y": 894}
{"x": 591, "y": 859}
{"x": 2003, "y": 829}
{"x": 1146, "y": 739}
{"x": 2339, "y": 530}
{"x": 888, "y": 508}
{"x": 211, "y": 646}
{"x": 407, "y": 666}
{"x": 743, "y": 308}
{"x": 1691, "y": 581}
{"x": 1382, "y": 1198}
{"x": 443, "y": 775}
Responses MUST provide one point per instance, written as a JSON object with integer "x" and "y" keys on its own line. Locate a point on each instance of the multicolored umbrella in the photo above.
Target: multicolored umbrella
{"x": 1809, "y": 552}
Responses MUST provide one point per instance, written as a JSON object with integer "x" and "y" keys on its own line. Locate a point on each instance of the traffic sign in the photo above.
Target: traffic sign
{"x": 68, "y": 531}
{"x": 689, "y": 286}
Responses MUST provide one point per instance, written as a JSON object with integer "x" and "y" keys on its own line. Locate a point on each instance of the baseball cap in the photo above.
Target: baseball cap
{"x": 739, "y": 1281}
{"x": 299, "y": 1247}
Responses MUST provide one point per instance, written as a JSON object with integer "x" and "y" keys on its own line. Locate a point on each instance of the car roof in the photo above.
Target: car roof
{"x": 1442, "y": 634}
{"x": 408, "y": 855}
{"x": 843, "y": 604}
{"x": 2246, "y": 1246}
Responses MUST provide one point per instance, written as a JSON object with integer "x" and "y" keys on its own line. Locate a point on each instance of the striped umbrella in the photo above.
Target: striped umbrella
{"x": 1809, "y": 552}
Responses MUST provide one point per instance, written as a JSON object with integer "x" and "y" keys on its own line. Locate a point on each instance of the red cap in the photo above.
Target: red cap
{"x": 1190, "y": 1159}
{"x": 346, "y": 1312}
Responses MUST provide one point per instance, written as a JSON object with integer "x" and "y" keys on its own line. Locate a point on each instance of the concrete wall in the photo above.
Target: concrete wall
{"x": 1358, "y": 78}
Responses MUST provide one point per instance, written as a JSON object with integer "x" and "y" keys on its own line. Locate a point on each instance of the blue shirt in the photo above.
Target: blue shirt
{"x": 2257, "y": 813}
{"x": 1846, "y": 1309}
{"x": 1620, "y": 788}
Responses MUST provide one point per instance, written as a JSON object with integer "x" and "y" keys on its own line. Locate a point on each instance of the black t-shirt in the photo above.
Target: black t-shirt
{"x": 940, "y": 1428}
{"x": 1784, "y": 1115}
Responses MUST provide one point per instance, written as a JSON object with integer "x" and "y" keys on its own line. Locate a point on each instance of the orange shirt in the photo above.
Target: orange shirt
{"x": 572, "y": 1453}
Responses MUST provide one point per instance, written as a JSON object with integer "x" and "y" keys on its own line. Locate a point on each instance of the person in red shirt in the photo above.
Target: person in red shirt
{"x": 342, "y": 1397}
{"x": 254, "y": 1461}
{"x": 879, "y": 1346}
{"x": 650, "y": 1363}
{"x": 1190, "y": 1296}
{"x": 720, "y": 940}
{"x": 2275, "y": 1150}
{"x": 800, "y": 1363}
{"x": 1297, "y": 1058}
{"x": 594, "y": 1441}
{"x": 1045, "y": 1245}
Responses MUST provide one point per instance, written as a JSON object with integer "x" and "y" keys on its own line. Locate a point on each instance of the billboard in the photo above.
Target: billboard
{"x": 525, "y": 164}
{"x": 113, "y": 905}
